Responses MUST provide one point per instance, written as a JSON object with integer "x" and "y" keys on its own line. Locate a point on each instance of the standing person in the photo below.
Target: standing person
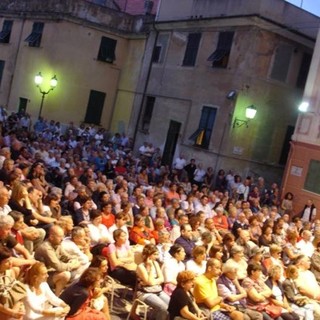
{"x": 41, "y": 303}
{"x": 309, "y": 212}
{"x": 198, "y": 176}
{"x": 150, "y": 280}
{"x": 190, "y": 169}
{"x": 182, "y": 303}
{"x": 179, "y": 164}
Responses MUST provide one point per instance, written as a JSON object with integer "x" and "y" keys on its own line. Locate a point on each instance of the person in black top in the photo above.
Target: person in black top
{"x": 182, "y": 303}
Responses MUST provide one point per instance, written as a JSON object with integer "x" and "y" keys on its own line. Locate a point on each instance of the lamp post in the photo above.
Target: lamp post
{"x": 250, "y": 114}
{"x": 38, "y": 79}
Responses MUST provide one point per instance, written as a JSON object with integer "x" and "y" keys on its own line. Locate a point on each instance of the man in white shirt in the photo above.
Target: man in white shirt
{"x": 205, "y": 207}
{"x": 305, "y": 245}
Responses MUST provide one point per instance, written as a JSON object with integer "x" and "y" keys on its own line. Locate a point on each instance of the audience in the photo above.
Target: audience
{"x": 178, "y": 217}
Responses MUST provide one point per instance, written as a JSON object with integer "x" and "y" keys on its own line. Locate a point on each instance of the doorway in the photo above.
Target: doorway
{"x": 171, "y": 142}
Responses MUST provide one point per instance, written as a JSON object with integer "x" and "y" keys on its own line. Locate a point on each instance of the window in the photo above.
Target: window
{"x": 281, "y": 63}
{"x": 160, "y": 48}
{"x": 202, "y": 135}
{"x": 34, "y": 39}
{"x": 6, "y": 31}
{"x": 190, "y": 55}
{"x": 304, "y": 70}
{"x": 148, "y": 110}
{"x": 107, "y": 50}
{"x": 1, "y": 69}
{"x": 156, "y": 54}
{"x": 95, "y": 107}
{"x": 312, "y": 179}
{"x": 220, "y": 57}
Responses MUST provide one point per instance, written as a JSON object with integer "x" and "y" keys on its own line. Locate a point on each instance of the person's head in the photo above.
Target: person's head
{"x": 95, "y": 216}
{"x": 275, "y": 272}
{"x": 56, "y": 235}
{"x": 78, "y": 236}
{"x": 254, "y": 271}
{"x": 186, "y": 231}
{"x": 177, "y": 252}
{"x": 66, "y": 223}
{"x": 213, "y": 268}
{"x": 275, "y": 251}
{"x": 185, "y": 279}
{"x": 100, "y": 262}
{"x": 257, "y": 254}
{"x": 90, "y": 278}
{"x": 6, "y": 223}
{"x": 150, "y": 251}
{"x": 52, "y": 199}
{"x": 199, "y": 253}
{"x": 236, "y": 252}
{"x": 4, "y": 196}
{"x": 230, "y": 271}
{"x": 5, "y": 258}
{"x": 206, "y": 237}
{"x": 106, "y": 207}
{"x": 228, "y": 240}
{"x": 302, "y": 262}
{"x": 119, "y": 236}
{"x": 306, "y": 235}
{"x": 37, "y": 274}
{"x": 139, "y": 220}
{"x": 292, "y": 272}
{"x": 216, "y": 252}
{"x": 18, "y": 219}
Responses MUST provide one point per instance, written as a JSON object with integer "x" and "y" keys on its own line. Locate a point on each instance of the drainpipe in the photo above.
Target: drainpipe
{"x": 145, "y": 87}
{"x": 15, "y": 61}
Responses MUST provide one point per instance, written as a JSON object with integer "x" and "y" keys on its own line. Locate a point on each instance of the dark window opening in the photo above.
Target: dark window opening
{"x": 148, "y": 110}
{"x": 192, "y": 48}
{"x": 281, "y": 63}
{"x": 107, "y": 50}
{"x": 95, "y": 107}
{"x": 22, "y": 105}
{"x": 220, "y": 57}
{"x": 34, "y": 39}
{"x": 304, "y": 70}
{"x": 156, "y": 54}
{"x": 6, "y": 31}
{"x": 202, "y": 135}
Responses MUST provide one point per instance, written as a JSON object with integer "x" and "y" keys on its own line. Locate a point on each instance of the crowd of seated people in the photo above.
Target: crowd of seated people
{"x": 77, "y": 205}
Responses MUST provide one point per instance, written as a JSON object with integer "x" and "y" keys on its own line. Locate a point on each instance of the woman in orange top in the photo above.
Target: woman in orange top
{"x": 140, "y": 234}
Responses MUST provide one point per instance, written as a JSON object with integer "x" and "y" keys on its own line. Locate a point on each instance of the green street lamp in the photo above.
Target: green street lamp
{"x": 38, "y": 79}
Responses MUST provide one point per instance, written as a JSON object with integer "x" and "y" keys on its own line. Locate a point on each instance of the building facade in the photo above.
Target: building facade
{"x": 94, "y": 50}
{"x": 302, "y": 174}
{"x": 205, "y": 62}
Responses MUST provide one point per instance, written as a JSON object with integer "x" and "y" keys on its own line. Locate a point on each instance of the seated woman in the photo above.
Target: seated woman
{"x": 150, "y": 280}
{"x": 172, "y": 267}
{"x": 41, "y": 302}
{"x": 140, "y": 234}
{"x": 9, "y": 309}
{"x": 79, "y": 295}
{"x": 278, "y": 298}
{"x": 265, "y": 239}
{"x": 238, "y": 261}
{"x": 198, "y": 262}
{"x": 182, "y": 303}
{"x": 299, "y": 303}
{"x": 121, "y": 259}
{"x": 258, "y": 293}
{"x": 98, "y": 232}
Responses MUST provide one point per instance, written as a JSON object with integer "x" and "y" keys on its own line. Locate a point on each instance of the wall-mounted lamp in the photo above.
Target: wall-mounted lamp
{"x": 250, "y": 114}
{"x": 231, "y": 95}
{"x": 303, "y": 106}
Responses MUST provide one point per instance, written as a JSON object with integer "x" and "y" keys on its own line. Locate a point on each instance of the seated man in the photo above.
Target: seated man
{"x": 78, "y": 247}
{"x": 233, "y": 294}
{"x": 59, "y": 264}
{"x": 206, "y": 294}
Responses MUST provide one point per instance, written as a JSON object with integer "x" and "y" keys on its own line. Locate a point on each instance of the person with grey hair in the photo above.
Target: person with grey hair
{"x": 233, "y": 294}
{"x": 305, "y": 244}
{"x": 7, "y": 240}
{"x": 238, "y": 261}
